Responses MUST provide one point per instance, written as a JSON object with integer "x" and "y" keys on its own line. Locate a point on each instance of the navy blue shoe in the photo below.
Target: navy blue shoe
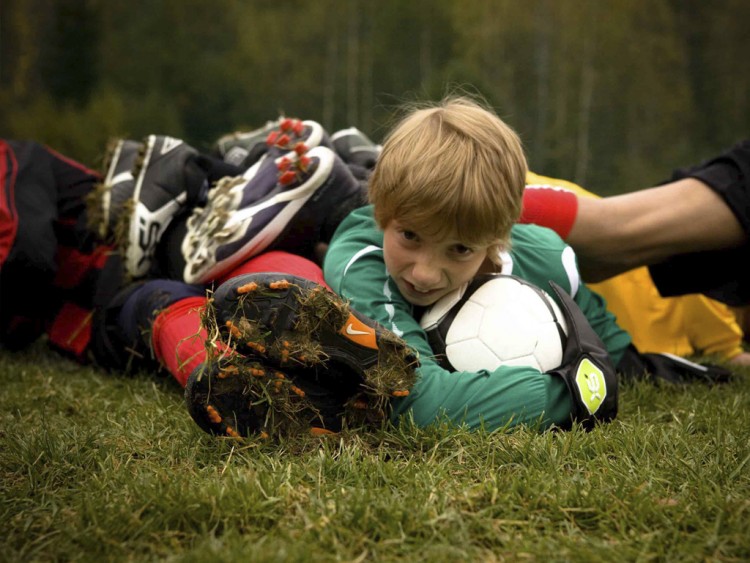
{"x": 106, "y": 209}
{"x": 167, "y": 181}
{"x": 354, "y": 147}
{"x": 282, "y": 206}
{"x": 244, "y": 148}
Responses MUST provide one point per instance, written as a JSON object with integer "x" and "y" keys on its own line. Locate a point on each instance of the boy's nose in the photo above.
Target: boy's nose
{"x": 425, "y": 275}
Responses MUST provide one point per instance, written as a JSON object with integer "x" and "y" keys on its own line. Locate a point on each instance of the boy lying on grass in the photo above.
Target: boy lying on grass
{"x": 446, "y": 194}
{"x": 287, "y": 354}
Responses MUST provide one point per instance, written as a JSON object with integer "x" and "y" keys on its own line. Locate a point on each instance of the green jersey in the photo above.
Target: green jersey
{"x": 509, "y": 395}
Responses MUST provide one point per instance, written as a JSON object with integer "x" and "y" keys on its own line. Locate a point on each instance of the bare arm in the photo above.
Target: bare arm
{"x": 615, "y": 234}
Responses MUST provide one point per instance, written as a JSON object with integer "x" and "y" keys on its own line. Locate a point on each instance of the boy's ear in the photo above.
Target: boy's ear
{"x": 492, "y": 263}
{"x": 493, "y": 254}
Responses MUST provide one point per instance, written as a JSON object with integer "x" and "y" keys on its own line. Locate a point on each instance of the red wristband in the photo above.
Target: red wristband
{"x": 550, "y": 207}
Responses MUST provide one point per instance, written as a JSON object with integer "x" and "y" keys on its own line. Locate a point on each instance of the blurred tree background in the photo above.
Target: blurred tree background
{"x": 609, "y": 94}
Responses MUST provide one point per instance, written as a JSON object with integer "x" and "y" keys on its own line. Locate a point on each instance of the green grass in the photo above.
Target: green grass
{"x": 99, "y": 466}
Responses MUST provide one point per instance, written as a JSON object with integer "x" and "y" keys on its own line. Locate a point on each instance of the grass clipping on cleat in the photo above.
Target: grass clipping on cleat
{"x": 297, "y": 352}
{"x": 95, "y": 221}
{"x": 274, "y": 398}
{"x": 96, "y": 217}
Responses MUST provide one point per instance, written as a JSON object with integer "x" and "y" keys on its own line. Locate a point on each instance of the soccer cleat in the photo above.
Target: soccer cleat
{"x": 244, "y": 148}
{"x": 354, "y": 147}
{"x": 291, "y": 322}
{"x": 283, "y": 144}
{"x": 108, "y": 200}
{"x": 166, "y": 181}
{"x": 282, "y": 206}
{"x": 241, "y": 397}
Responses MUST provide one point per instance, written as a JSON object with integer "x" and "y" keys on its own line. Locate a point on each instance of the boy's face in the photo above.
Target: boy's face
{"x": 427, "y": 268}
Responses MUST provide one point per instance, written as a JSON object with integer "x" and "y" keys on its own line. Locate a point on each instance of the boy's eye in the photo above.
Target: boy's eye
{"x": 462, "y": 250}
{"x": 409, "y": 235}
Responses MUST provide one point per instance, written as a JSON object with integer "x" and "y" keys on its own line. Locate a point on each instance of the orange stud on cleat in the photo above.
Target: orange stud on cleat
{"x": 281, "y": 284}
{"x": 264, "y": 435}
{"x": 227, "y": 371}
{"x": 359, "y": 404}
{"x": 300, "y": 148}
{"x": 255, "y": 346}
{"x": 213, "y": 414}
{"x": 247, "y": 288}
{"x": 232, "y": 433}
{"x": 283, "y": 140}
{"x": 257, "y": 372}
{"x": 298, "y": 127}
{"x": 297, "y": 391}
{"x": 400, "y": 393}
{"x": 233, "y": 330}
{"x": 315, "y": 431}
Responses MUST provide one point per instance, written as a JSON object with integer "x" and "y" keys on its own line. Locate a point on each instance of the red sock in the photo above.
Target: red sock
{"x": 550, "y": 207}
{"x": 177, "y": 337}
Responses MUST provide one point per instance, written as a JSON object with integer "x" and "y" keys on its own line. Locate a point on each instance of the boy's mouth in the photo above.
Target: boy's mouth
{"x": 422, "y": 293}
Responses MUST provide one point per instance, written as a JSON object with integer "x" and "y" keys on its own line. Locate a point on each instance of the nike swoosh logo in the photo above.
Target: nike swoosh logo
{"x": 351, "y": 330}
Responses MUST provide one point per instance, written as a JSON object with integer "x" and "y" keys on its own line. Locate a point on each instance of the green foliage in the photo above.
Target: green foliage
{"x": 613, "y": 95}
{"x": 100, "y": 466}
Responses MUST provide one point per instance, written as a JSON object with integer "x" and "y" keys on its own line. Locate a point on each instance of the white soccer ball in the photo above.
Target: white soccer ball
{"x": 496, "y": 320}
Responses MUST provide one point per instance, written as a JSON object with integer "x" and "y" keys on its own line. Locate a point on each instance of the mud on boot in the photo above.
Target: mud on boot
{"x": 291, "y": 323}
{"x": 241, "y": 397}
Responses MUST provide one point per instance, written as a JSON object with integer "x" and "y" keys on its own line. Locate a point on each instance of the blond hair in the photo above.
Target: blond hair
{"x": 452, "y": 167}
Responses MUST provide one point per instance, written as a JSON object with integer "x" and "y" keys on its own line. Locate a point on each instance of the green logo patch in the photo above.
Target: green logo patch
{"x": 591, "y": 385}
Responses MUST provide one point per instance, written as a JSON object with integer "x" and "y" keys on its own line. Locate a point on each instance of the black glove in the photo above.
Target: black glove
{"x": 669, "y": 368}
{"x": 586, "y": 367}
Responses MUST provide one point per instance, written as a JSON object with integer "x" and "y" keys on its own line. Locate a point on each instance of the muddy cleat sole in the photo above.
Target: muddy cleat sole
{"x": 219, "y": 401}
{"x": 241, "y": 397}
{"x": 290, "y": 321}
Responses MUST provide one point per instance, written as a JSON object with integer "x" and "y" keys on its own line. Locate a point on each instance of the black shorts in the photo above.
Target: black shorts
{"x": 721, "y": 274}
